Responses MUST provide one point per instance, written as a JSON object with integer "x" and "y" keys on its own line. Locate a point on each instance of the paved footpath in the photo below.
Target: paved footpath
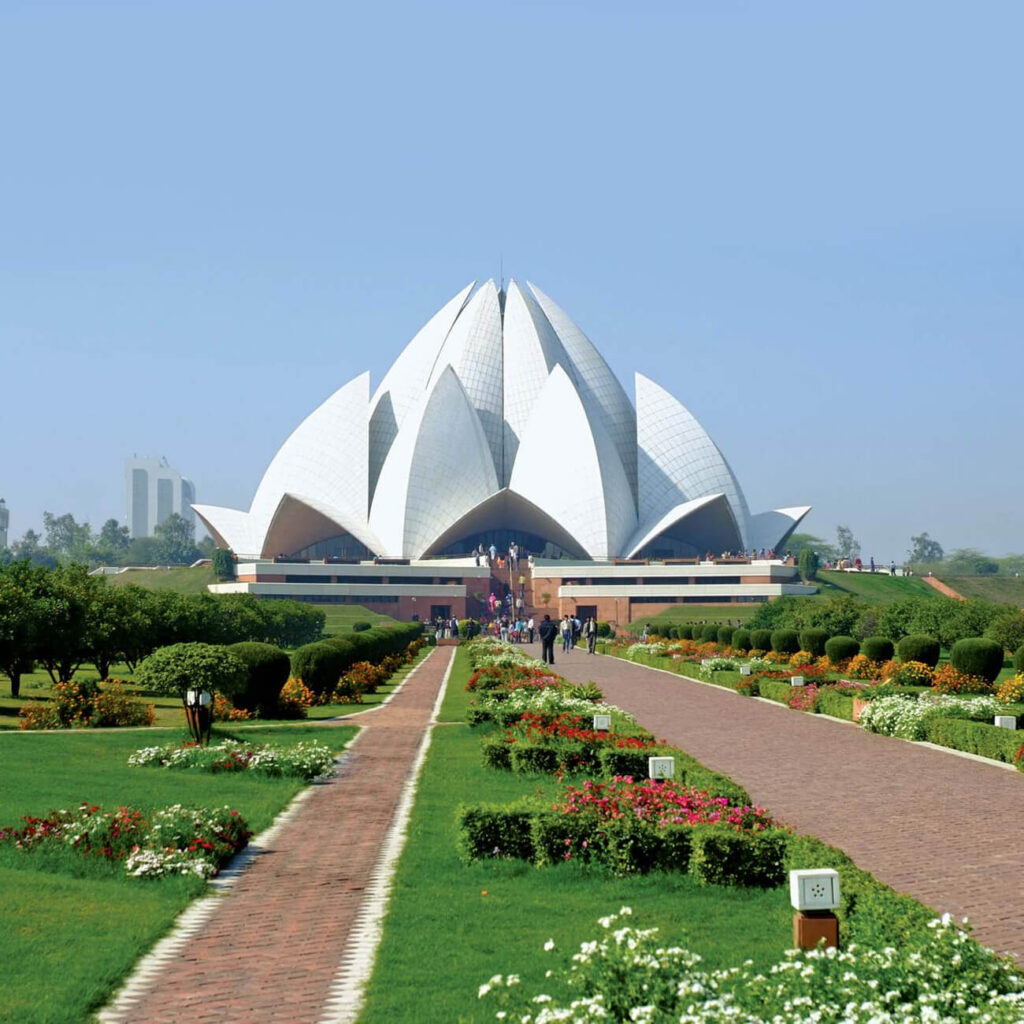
{"x": 945, "y": 829}
{"x": 272, "y": 950}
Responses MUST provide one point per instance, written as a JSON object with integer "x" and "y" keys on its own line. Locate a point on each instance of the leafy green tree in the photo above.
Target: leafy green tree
{"x": 29, "y": 549}
{"x": 113, "y": 542}
{"x": 63, "y": 609}
{"x": 838, "y": 616}
{"x": 808, "y": 565}
{"x": 20, "y": 625}
{"x": 143, "y": 551}
{"x": 1007, "y": 629}
{"x": 846, "y": 545}
{"x": 176, "y": 536}
{"x": 1012, "y": 565}
{"x": 206, "y": 547}
{"x": 825, "y": 551}
{"x": 924, "y": 549}
{"x": 178, "y": 668}
{"x": 895, "y": 619}
{"x": 223, "y": 564}
{"x": 67, "y": 540}
{"x": 971, "y": 562}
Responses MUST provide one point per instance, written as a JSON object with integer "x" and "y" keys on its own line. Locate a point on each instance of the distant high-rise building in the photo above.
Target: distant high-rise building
{"x": 5, "y": 519}
{"x": 154, "y": 491}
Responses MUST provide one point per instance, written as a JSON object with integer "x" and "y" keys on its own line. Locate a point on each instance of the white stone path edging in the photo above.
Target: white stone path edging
{"x": 195, "y": 916}
{"x": 346, "y": 994}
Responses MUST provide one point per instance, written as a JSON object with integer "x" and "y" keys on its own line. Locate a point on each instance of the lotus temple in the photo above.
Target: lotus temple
{"x": 500, "y": 423}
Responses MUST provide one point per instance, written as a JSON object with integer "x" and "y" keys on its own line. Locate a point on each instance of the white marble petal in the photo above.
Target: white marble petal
{"x": 707, "y": 523}
{"x": 406, "y": 381}
{"x": 598, "y": 386}
{"x": 568, "y": 467}
{"x": 439, "y": 467}
{"x": 676, "y": 459}
{"x": 231, "y": 528}
{"x": 770, "y": 530}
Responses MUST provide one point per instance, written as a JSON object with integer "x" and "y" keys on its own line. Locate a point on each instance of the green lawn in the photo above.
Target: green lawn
{"x": 721, "y": 614}
{"x": 71, "y": 935}
{"x": 877, "y": 587}
{"x": 185, "y": 581}
{"x": 340, "y": 617}
{"x": 494, "y": 917}
{"x": 997, "y": 589}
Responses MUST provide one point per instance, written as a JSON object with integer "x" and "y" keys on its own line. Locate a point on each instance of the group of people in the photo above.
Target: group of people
{"x": 446, "y": 629}
{"x": 754, "y": 554}
{"x": 489, "y": 556}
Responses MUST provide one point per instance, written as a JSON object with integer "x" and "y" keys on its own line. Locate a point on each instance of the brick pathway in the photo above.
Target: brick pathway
{"x": 942, "y": 828}
{"x": 272, "y": 950}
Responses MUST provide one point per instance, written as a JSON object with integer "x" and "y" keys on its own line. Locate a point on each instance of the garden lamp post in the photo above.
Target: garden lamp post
{"x": 199, "y": 714}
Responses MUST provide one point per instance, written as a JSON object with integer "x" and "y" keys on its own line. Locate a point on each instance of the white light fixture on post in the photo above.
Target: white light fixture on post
{"x": 199, "y": 714}
{"x": 814, "y": 894}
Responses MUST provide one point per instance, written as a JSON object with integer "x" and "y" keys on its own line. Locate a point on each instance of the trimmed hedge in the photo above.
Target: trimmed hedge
{"x": 720, "y": 856}
{"x": 919, "y": 647}
{"x": 760, "y": 640}
{"x": 361, "y": 627}
{"x": 785, "y": 641}
{"x": 686, "y": 633}
{"x": 741, "y": 639}
{"x": 725, "y": 635}
{"x": 709, "y": 634}
{"x": 268, "y": 668}
{"x": 1018, "y": 660}
{"x": 319, "y": 665}
{"x": 774, "y": 689}
{"x": 491, "y": 831}
{"x": 977, "y": 656}
{"x": 835, "y": 704}
{"x": 813, "y": 641}
{"x": 973, "y": 737}
{"x": 604, "y": 628}
{"x": 841, "y": 648}
{"x": 878, "y": 648}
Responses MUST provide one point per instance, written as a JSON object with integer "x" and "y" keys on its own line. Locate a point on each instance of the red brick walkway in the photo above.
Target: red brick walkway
{"x": 273, "y": 948}
{"x": 942, "y": 828}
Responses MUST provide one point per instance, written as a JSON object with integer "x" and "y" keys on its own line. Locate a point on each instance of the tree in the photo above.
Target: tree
{"x": 29, "y": 549}
{"x": 971, "y": 562}
{"x": 113, "y": 542}
{"x": 176, "y": 536}
{"x": 1008, "y": 630}
{"x": 223, "y": 564}
{"x": 67, "y": 540}
{"x": 808, "y": 565}
{"x": 63, "y": 610}
{"x": 825, "y": 551}
{"x": 176, "y": 669}
{"x": 924, "y": 549}
{"x": 20, "y": 583}
{"x": 846, "y": 545}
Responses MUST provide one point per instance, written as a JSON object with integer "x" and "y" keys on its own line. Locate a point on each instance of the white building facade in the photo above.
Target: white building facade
{"x": 153, "y": 491}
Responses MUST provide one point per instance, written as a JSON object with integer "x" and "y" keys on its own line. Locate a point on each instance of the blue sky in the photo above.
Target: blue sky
{"x": 804, "y": 220}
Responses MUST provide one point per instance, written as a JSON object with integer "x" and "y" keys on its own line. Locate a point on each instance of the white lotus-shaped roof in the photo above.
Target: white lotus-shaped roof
{"x": 499, "y": 419}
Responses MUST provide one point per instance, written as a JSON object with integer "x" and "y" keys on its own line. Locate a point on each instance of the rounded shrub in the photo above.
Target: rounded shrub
{"x": 760, "y": 639}
{"x": 685, "y": 632}
{"x": 468, "y": 628}
{"x": 741, "y": 639}
{"x": 319, "y": 665}
{"x": 785, "y": 641}
{"x": 709, "y": 634}
{"x": 977, "y": 656}
{"x": 673, "y": 632}
{"x": 725, "y": 635}
{"x": 268, "y": 668}
{"x": 919, "y": 647}
{"x": 1018, "y": 660}
{"x": 813, "y": 641}
{"x": 605, "y": 629}
{"x": 359, "y": 627}
{"x": 877, "y": 648}
{"x": 841, "y": 648}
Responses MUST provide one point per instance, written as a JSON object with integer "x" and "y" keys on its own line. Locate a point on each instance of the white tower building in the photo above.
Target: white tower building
{"x": 153, "y": 491}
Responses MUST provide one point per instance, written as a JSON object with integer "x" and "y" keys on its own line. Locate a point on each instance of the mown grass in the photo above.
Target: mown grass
{"x": 873, "y": 587}
{"x": 451, "y": 926}
{"x": 184, "y": 581}
{"x": 997, "y": 589}
{"x": 72, "y": 928}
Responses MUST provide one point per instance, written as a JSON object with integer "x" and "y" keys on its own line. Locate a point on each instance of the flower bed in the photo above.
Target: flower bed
{"x": 87, "y": 705}
{"x": 627, "y": 974}
{"x": 304, "y": 760}
{"x": 905, "y": 717}
{"x": 171, "y": 841}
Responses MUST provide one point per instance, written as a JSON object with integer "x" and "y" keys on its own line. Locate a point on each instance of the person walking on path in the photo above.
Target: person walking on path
{"x": 590, "y": 632}
{"x": 565, "y": 628}
{"x": 547, "y": 632}
{"x": 530, "y": 625}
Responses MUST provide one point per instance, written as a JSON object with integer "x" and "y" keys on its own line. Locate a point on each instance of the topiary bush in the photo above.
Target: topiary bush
{"x": 813, "y": 641}
{"x": 841, "y": 648}
{"x": 268, "y": 668}
{"x": 709, "y": 634}
{"x": 605, "y": 629}
{"x": 673, "y": 632}
{"x": 1018, "y": 660}
{"x": 725, "y": 635}
{"x": 785, "y": 641}
{"x": 877, "y": 648}
{"x": 741, "y": 639}
{"x": 359, "y": 627}
{"x": 760, "y": 640}
{"x": 685, "y": 632}
{"x": 919, "y": 647}
{"x": 320, "y": 665}
{"x": 977, "y": 656}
